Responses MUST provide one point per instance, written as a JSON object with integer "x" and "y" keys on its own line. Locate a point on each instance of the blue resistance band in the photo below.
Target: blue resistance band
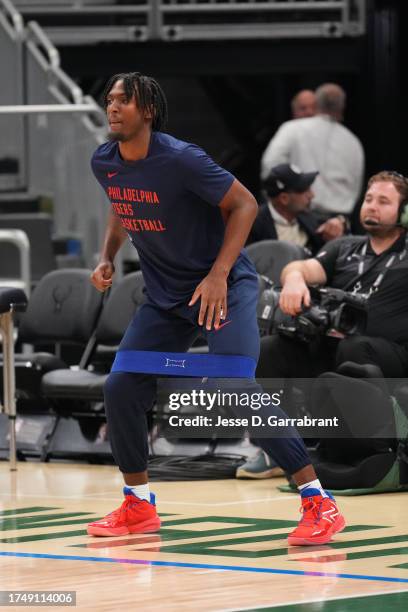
{"x": 185, "y": 364}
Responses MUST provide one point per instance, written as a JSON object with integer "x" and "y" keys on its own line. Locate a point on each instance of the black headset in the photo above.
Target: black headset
{"x": 403, "y": 207}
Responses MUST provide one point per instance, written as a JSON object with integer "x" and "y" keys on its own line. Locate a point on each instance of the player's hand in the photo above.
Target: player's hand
{"x": 332, "y": 228}
{"x": 293, "y": 297}
{"x": 213, "y": 293}
{"x": 101, "y": 277}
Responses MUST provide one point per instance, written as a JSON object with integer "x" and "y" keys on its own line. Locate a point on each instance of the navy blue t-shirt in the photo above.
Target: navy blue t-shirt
{"x": 168, "y": 204}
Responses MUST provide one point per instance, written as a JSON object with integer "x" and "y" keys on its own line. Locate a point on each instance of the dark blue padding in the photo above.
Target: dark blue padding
{"x": 10, "y": 296}
{"x": 185, "y": 364}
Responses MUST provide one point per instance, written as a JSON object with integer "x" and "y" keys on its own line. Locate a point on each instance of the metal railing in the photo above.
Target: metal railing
{"x": 59, "y": 127}
{"x": 12, "y": 164}
{"x": 11, "y": 18}
{"x": 198, "y": 20}
{"x": 64, "y": 129}
{"x": 188, "y": 19}
{"x": 32, "y": 109}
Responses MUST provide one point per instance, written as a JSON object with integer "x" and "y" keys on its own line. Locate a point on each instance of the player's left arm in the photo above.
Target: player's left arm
{"x": 239, "y": 209}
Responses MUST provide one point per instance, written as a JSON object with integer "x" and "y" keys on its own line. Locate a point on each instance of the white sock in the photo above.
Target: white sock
{"x": 141, "y": 491}
{"x": 313, "y": 484}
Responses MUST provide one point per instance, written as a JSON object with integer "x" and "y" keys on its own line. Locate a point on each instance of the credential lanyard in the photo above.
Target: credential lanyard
{"x": 376, "y": 284}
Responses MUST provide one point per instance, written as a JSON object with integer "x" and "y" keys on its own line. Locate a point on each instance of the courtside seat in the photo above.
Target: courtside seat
{"x": 63, "y": 310}
{"x": 363, "y": 474}
{"x": 87, "y": 383}
{"x": 271, "y": 256}
{"x": 363, "y": 456}
{"x": 82, "y": 385}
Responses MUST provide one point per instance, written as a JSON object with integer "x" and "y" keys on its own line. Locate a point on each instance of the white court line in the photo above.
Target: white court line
{"x": 306, "y": 601}
{"x": 98, "y": 497}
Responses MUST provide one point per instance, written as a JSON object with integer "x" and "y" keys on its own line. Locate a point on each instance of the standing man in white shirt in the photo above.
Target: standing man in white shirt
{"x": 322, "y": 142}
{"x": 303, "y": 104}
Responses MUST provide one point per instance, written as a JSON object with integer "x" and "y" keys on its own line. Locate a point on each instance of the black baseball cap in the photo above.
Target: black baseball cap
{"x": 287, "y": 177}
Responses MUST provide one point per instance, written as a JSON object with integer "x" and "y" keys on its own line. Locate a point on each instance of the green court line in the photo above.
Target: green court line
{"x": 272, "y": 523}
{"x": 44, "y": 520}
{"x": 170, "y": 535}
{"x": 390, "y": 602}
{"x": 39, "y": 521}
{"x": 213, "y": 547}
{"x": 242, "y": 525}
{"x": 44, "y": 536}
{"x": 166, "y": 534}
{"x": 83, "y": 521}
{"x": 380, "y": 552}
{"x": 251, "y": 525}
{"x": 25, "y": 510}
{"x": 365, "y": 554}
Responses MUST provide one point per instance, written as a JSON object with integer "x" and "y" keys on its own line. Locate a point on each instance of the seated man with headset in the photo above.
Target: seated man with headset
{"x": 376, "y": 266}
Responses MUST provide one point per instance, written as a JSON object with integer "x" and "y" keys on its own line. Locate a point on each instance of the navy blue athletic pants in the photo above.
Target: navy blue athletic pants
{"x": 128, "y": 396}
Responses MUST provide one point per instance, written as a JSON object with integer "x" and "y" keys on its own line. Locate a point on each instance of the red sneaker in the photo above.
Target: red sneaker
{"x": 134, "y": 516}
{"x": 320, "y": 521}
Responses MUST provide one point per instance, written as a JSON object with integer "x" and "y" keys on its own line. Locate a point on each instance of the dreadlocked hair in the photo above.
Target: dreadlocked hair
{"x": 147, "y": 92}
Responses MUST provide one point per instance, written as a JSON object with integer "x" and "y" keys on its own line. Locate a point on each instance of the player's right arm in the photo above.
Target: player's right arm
{"x": 295, "y": 278}
{"x": 115, "y": 235}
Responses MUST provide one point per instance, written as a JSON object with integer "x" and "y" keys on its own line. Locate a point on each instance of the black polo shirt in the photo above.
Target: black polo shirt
{"x": 387, "y": 307}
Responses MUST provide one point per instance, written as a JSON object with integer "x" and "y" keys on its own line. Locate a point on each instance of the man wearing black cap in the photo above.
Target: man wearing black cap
{"x": 286, "y": 215}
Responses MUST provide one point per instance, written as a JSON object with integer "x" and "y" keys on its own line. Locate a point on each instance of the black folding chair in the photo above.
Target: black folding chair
{"x": 62, "y": 311}
{"x": 271, "y": 256}
{"x": 86, "y": 383}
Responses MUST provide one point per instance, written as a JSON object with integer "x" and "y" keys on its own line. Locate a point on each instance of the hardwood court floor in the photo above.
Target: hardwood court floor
{"x": 222, "y": 546}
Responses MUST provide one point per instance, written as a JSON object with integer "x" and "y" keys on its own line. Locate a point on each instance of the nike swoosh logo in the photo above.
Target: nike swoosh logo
{"x": 112, "y": 174}
{"x": 222, "y": 325}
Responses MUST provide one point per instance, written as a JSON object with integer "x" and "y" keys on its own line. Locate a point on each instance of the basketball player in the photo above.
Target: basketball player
{"x": 189, "y": 220}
